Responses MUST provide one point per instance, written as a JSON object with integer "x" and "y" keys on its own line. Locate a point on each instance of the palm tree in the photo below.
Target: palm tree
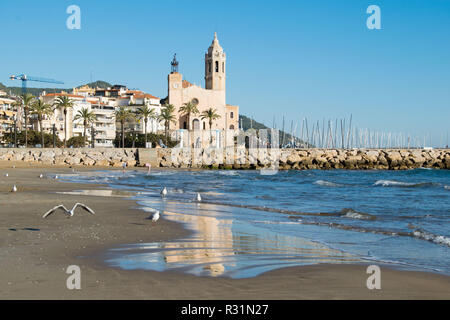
{"x": 122, "y": 115}
{"x": 188, "y": 109}
{"x": 167, "y": 116}
{"x": 145, "y": 113}
{"x": 27, "y": 100}
{"x": 65, "y": 103}
{"x": 41, "y": 109}
{"x": 211, "y": 115}
{"x": 88, "y": 117}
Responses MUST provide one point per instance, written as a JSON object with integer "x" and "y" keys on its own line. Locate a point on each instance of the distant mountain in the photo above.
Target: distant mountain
{"x": 37, "y": 91}
{"x": 247, "y": 123}
{"x": 34, "y": 91}
{"x": 99, "y": 84}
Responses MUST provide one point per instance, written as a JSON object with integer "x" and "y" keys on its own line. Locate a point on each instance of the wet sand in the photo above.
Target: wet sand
{"x": 35, "y": 253}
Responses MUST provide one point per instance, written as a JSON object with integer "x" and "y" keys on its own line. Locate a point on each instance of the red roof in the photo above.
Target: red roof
{"x": 187, "y": 84}
{"x": 145, "y": 95}
{"x": 63, "y": 94}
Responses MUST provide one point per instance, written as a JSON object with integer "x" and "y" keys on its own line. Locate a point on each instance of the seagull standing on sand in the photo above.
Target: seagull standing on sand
{"x": 164, "y": 192}
{"x": 14, "y": 189}
{"x": 6, "y": 175}
{"x": 41, "y": 176}
{"x": 70, "y": 213}
{"x": 155, "y": 217}
{"x": 56, "y": 177}
{"x": 199, "y": 198}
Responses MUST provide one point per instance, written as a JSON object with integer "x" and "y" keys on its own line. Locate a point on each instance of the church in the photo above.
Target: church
{"x": 181, "y": 91}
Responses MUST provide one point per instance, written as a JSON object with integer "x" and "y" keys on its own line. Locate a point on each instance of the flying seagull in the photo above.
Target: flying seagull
{"x": 164, "y": 192}
{"x": 199, "y": 198}
{"x": 14, "y": 189}
{"x": 68, "y": 212}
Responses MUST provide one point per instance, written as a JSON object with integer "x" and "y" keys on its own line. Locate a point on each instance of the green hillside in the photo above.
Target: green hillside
{"x": 248, "y": 123}
{"x": 99, "y": 84}
{"x": 38, "y": 91}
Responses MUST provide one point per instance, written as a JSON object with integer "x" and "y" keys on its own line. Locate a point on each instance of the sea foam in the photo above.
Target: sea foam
{"x": 326, "y": 183}
{"x": 387, "y": 183}
{"x": 432, "y": 237}
{"x": 393, "y": 183}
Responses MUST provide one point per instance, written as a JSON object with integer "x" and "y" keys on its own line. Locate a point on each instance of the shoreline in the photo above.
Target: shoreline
{"x": 52, "y": 244}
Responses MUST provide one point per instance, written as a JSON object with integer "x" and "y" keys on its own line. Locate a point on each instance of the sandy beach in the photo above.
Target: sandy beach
{"x": 35, "y": 253}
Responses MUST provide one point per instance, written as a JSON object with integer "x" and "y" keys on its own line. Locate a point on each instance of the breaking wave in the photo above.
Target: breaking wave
{"x": 350, "y": 213}
{"x": 393, "y": 183}
{"x": 228, "y": 173}
{"x": 327, "y": 183}
{"x": 432, "y": 237}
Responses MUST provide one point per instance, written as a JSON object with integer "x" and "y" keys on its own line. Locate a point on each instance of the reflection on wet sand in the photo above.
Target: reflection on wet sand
{"x": 100, "y": 193}
{"x": 222, "y": 247}
{"x": 209, "y": 248}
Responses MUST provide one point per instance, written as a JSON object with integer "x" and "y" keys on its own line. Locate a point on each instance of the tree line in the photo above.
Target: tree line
{"x": 36, "y": 106}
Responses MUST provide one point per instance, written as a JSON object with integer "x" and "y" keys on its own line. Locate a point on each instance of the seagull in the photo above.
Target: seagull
{"x": 6, "y": 175}
{"x": 14, "y": 189}
{"x": 199, "y": 198}
{"x": 41, "y": 176}
{"x": 68, "y": 212}
{"x": 155, "y": 216}
{"x": 164, "y": 192}
{"x": 56, "y": 177}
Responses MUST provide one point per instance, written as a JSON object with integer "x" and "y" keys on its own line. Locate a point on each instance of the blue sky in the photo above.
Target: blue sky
{"x": 314, "y": 59}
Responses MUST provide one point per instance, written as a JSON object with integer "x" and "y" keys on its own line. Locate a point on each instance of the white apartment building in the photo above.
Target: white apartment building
{"x": 57, "y": 119}
{"x": 135, "y": 99}
{"x": 7, "y": 115}
{"x": 105, "y": 123}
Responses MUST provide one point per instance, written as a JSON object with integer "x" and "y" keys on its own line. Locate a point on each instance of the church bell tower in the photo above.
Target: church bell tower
{"x": 215, "y": 63}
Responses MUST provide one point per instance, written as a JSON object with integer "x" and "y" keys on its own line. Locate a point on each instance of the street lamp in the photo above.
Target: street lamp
{"x": 54, "y": 136}
{"x": 15, "y": 131}
{"x": 92, "y": 136}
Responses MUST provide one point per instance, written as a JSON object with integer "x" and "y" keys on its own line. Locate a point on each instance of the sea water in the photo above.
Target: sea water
{"x": 248, "y": 223}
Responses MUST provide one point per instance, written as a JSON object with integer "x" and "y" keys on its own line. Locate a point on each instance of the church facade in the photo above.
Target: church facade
{"x": 181, "y": 91}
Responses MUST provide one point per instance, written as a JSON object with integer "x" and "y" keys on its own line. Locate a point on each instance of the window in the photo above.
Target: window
{"x": 231, "y": 127}
{"x": 217, "y": 66}
{"x": 204, "y": 125}
{"x": 184, "y": 125}
{"x": 231, "y": 115}
{"x": 196, "y": 124}
{"x": 223, "y": 67}
{"x": 209, "y": 66}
